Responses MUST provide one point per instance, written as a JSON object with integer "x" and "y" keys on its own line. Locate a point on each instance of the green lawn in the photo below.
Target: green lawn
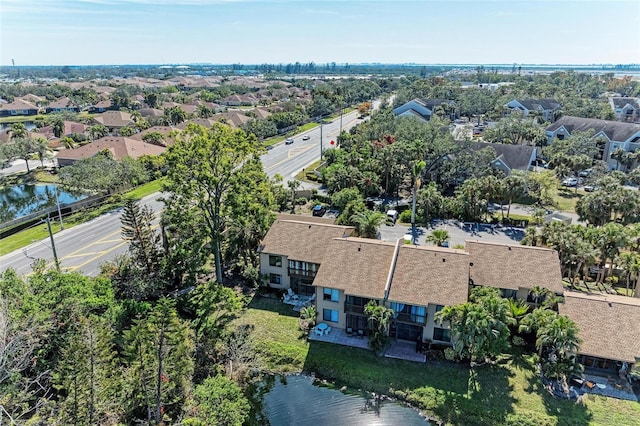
{"x": 506, "y": 393}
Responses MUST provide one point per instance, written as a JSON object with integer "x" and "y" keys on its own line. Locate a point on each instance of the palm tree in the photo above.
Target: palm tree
{"x": 293, "y": 185}
{"x": 367, "y": 223}
{"x": 204, "y": 111}
{"x": 438, "y": 237}
{"x": 18, "y": 130}
{"x": 379, "y": 322}
{"x": 58, "y": 127}
{"x": 98, "y": 131}
{"x": 68, "y": 143}
{"x": 561, "y": 334}
{"x": 40, "y": 147}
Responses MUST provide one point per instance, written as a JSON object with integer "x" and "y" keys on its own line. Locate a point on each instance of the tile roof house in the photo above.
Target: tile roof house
{"x": 70, "y": 127}
{"x": 61, "y": 105}
{"x": 18, "y": 107}
{"x": 239, "y": 100}
{"x": 617, "y": 134}
{"x": 101, "y": 106}
{"x": 608, "y": 326}
{"x": 114, "y": 119}
{"x": 119, "y": 147}
{"x": 169, "y": 134}
{"x": 546, "y": 108}
{"x": 626, "y": 108}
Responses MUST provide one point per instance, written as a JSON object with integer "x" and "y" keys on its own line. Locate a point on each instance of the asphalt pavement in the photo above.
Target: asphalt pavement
{"x": 459, "y": 232}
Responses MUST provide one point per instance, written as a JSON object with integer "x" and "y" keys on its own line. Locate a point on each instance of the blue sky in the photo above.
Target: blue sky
{"x": 88, "y": 32}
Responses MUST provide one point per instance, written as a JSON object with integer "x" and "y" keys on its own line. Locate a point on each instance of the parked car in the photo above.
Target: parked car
{"x": 590, "y": 188}
{"x": 585, "y": 173}
{"x": 319, "y": 210}
{"x": 289, "y": 141}
{"x": 570, "y": 182}
{"x": 306, "y": 137}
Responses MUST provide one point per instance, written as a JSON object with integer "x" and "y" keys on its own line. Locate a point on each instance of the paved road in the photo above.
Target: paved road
{"x": 87, "y": 246}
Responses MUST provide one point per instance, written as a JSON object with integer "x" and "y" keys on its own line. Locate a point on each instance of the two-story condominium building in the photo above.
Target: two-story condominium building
{"x": 294, "y": 248}
{"x": 613, "y": 134}
{"x": 312, "y": 256}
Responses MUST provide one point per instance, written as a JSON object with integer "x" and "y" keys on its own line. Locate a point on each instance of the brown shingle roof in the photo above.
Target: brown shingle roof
{"x": 119, "y": 146}
{"x": 114, "y": 119}
{"x": 433, "y": 275}
{"x": 359, "y": 266}
{"x": 300, "y": 240}
{"x": 514, "y": 266}
{"x": 608, "y": 324}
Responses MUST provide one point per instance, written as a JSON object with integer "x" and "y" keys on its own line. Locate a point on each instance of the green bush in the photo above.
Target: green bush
{"x": 405, "y": 216}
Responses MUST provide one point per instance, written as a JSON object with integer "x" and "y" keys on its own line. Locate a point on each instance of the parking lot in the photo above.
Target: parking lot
{"x": 459, "y": 232}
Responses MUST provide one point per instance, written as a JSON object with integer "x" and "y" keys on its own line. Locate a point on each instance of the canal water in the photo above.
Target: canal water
{"x": 20, "y": 200}
{"x": 296, "y": 400}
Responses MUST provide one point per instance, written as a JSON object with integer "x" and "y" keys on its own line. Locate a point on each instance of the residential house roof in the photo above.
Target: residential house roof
{"x": 114, "y": 119}
{"x": 615, "y": 130}
{"x": 151, "y": 112}
{"x": 18, "y": 104}
{"x": 63, "y": 102}
{"x": 621, "y": 102}
{"x": 164, "y": 130}
{"x": 607, "y": 324}
{"x": 70, "y": 127}
{"x": 206, "y": 122}
{"x": 433, "y": 275}
{"x": 545, "y": 104}
{"x": 358, "y": 266}
{"x": 233, "y": 118}
{"x": 514, "y": 266}
{"x": 119, "y": 147}
{"x": 301, "y": 239}
{"x": 516, "y": 157}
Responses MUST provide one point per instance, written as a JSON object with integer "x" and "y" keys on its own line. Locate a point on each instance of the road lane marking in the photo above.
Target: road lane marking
{"x": 297, "y": 152}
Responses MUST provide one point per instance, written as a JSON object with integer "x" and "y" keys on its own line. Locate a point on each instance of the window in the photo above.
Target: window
{"x": 275, "y": 279}
{"x": 418, "y": 314}
{"x": 330, "y": 315}
{"x": 331, "y": 294}
{"x": 439, "y": 308}
{"x": 275, "y": 260}
{"x": 509, "y": 294}
{"x": 441, "y": 334}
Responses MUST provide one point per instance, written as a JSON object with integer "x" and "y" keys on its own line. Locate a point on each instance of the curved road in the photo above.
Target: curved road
{"x": 85, "y": 247}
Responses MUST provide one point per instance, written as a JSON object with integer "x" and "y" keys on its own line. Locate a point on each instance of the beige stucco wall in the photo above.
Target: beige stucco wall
{"x": 327, "y": 304}
{"x": 432, "y": 323}
{"x": 266, "y": 269}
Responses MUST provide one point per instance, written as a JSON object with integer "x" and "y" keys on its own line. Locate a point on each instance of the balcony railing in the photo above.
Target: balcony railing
{"x": 411, "y": 318}
{"x": 303, "y": 273}
{"x": 354, "y": 309}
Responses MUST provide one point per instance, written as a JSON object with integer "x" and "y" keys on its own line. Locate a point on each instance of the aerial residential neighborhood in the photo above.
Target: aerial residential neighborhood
{"x": 340, "y": 213}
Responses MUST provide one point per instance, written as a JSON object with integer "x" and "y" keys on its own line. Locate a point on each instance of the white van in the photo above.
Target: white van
{"x": 392, "y": 216}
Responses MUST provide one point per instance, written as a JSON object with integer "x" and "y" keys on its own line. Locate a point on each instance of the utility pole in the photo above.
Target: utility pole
{"x": 59, "y": 212}
{"x": 321, "y": 120}
{"x": 53, "y": 244}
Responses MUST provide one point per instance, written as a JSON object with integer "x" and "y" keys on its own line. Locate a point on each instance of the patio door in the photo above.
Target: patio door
{"x": 403, "y": 331}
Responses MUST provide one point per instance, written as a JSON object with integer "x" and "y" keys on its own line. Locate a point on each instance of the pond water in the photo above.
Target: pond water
{"x": 296, "y": 400}
{"x": 20, "y": 200}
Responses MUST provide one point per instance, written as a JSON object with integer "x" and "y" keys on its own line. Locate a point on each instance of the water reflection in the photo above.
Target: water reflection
{"x": 21, "y": 200}
{"x": 295, "y": 400}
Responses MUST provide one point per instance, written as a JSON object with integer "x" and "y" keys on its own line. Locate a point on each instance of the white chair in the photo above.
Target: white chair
{"x": 327, "y": 330}
{"x": 317, "y": 331}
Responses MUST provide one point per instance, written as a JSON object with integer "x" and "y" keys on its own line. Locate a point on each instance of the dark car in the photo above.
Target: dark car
{"x": 319, "y": 210}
